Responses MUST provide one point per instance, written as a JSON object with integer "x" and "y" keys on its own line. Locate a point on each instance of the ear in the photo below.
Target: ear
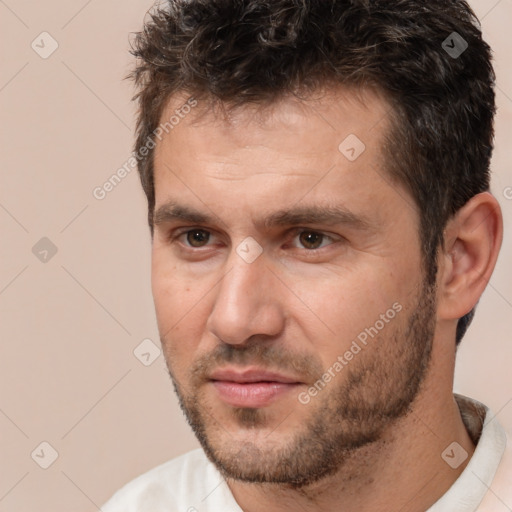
{"x": 472, "y": 241}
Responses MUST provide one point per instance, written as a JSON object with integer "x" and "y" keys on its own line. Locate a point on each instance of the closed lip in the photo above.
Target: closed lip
{"x": 251, "y": 375}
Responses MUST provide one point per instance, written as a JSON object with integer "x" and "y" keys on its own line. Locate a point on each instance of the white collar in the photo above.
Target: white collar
{"x": 469, "y": 489}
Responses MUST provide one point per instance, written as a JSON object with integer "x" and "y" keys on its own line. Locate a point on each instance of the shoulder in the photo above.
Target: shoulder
{"x": 180, "y": 483}
{"x": 499, "y": 496}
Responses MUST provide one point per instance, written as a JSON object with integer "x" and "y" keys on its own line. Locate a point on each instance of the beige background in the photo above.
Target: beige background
{"x": 69, "y": 326}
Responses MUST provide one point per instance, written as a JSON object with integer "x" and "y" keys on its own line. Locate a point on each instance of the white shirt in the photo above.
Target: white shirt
{"x": 191, "y": 483}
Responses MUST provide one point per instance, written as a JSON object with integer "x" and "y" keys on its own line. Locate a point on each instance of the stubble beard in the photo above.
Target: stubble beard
{"x": 376, "y": 389}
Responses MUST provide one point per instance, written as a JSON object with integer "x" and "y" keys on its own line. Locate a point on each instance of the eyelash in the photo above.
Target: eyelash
{"x": 296, "y": 232}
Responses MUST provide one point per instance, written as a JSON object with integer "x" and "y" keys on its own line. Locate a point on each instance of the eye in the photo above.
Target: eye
{"x": 313, "y": 240}
{"x": 196, "y": 237}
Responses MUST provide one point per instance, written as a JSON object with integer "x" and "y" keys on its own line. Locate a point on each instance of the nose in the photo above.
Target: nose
{"x": 247, "y": 302}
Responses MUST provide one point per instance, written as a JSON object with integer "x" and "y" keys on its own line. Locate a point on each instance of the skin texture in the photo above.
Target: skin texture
{"x": 372, "y": 438}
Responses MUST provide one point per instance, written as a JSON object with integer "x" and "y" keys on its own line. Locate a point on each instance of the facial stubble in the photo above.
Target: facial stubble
{"x": 374, "y": 391}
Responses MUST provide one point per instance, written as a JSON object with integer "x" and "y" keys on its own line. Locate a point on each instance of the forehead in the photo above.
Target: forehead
{"x": 328, "y": 148}
{"x": 363, "y": 110}
{"x": 329, "y": 124}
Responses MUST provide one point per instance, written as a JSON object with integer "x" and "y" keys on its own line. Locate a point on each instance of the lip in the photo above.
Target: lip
{"x": 253, "y": 387}
{"x": 251, "y": 375}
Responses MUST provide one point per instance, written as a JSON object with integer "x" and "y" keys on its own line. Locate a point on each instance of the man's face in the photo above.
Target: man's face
{"x": 288, "y": 284}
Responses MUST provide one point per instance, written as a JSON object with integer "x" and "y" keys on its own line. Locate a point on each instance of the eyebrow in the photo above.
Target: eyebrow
{"x": 172, "y": 211}
{"x": 327, "y": 215}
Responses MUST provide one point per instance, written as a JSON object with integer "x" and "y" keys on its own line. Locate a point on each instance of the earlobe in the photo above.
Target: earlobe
{"x": 471, "y": 246}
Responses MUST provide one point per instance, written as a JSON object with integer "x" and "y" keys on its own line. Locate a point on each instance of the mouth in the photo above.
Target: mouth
{"x": 252, "y": 387}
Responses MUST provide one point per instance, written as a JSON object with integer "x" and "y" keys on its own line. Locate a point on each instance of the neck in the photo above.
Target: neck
{"x": 404, "y": 470}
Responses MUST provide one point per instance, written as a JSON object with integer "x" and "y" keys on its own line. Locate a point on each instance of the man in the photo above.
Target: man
{"x": 317, "y": 176}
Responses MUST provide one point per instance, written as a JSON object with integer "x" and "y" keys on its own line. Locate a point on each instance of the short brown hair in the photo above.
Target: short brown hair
{"x": 428, "y": 57}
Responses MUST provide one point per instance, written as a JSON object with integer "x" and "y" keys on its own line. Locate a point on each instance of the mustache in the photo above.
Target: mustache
{"x": 271, "y": 357}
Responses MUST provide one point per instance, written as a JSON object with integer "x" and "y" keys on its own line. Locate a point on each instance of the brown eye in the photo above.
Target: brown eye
{"x": 311, "y": 239}
{"x": 197, "y": 237}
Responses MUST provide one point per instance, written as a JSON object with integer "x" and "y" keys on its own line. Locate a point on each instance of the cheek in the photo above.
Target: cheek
{"x": 342, "y": 305}
{"x": 181, "y": 329}
{"x": 180, "y": 311}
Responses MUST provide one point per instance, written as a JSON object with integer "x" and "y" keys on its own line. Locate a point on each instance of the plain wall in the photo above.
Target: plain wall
{"x": 69, "y": 325}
